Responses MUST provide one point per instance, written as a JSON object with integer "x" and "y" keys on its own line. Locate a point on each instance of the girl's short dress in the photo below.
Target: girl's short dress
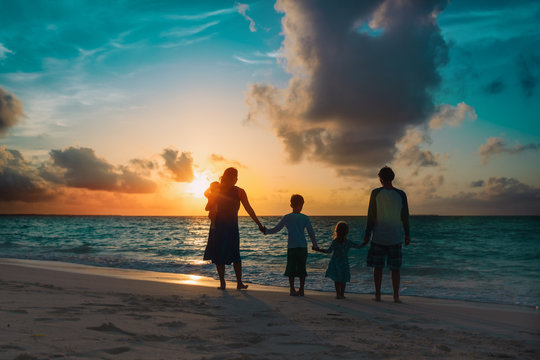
{"x": 338, "y": 268}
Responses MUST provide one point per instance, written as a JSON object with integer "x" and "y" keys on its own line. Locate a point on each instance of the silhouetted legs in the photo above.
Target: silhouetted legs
{"x": 221, "y": 272}
{"x": 340, "y": 289}
{"x": 292, "y": 290}
{"x": 237, "y": 270}
{"x": 396, "y": 277}
{"x": 377, "y": 280}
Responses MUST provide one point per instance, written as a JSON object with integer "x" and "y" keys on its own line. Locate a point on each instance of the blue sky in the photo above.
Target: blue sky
{"x": 129, "y": 79}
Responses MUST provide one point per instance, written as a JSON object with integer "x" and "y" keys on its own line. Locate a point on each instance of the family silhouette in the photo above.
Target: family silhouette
{"x": 387, "y": 228}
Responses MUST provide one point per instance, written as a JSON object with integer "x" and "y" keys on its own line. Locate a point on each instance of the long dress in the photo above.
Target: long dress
{"x": 223, "y": 245}
{"x": 338, "y": 268}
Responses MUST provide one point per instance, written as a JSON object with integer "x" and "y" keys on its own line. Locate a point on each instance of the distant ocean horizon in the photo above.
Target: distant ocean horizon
{"x": 473, "y": 258}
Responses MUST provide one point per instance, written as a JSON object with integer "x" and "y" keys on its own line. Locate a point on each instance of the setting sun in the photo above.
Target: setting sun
{"x": 197, "y": 187}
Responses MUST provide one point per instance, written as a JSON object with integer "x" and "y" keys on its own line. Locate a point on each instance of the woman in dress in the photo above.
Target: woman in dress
{"x": 223, "y": 246}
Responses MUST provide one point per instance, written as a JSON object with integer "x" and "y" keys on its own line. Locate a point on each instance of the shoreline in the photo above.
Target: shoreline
{"x": 193, "y": 279}
{"x": 80, "y": 312}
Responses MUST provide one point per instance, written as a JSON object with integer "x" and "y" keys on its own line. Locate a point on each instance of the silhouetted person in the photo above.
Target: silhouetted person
{"x": 338, "y": 268}
{"x": 388, "y": 220}
{"x": 296, "y": 224}
{"x": 223, "y": 246}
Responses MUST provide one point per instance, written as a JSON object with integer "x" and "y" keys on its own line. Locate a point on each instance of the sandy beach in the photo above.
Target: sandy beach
{"x": 59, "y": 310}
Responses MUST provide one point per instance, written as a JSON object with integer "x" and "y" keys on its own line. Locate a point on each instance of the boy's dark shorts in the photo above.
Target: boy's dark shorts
{"x": 378, "y": 255}
{"x": 296, "y": 262}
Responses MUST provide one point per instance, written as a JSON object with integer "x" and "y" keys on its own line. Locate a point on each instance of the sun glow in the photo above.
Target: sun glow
{"x": 198, "y": 186}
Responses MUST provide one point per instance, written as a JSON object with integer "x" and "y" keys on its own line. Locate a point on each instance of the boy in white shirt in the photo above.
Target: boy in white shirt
{"x": 296, "y": 223}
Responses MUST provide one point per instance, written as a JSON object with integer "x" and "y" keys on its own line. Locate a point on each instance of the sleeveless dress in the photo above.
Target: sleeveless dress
{"x": 223, "y": 245}
{"x": 338, "y": 268}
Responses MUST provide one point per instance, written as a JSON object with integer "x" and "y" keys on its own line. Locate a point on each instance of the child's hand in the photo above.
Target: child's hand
{"x": 316, "y": 248}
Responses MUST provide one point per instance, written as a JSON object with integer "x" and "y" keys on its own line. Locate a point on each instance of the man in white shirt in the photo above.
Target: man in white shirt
{"x": 388, "y": 228}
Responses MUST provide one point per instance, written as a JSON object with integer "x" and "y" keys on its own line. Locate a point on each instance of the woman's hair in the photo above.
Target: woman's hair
{"x": 341, "y": 231}
{"x": 229, "y": 175}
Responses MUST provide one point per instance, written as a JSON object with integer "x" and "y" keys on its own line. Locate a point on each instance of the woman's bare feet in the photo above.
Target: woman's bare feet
{"x": 301, "y": 292}
{"x": 221, "y": 288}
{"x": 377, "y": 298}
{"x": 241, "y": 286}
{"x": 293, "y": 292}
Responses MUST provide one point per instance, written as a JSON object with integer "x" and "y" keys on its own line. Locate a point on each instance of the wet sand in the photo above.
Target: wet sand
{"x": 59, "y": 310}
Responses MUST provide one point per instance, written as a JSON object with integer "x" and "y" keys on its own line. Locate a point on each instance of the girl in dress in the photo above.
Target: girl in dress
{"x": 338, "y": 268}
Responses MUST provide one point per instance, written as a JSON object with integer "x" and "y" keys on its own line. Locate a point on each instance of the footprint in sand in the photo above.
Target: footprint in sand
{"x": 109, "y": 327}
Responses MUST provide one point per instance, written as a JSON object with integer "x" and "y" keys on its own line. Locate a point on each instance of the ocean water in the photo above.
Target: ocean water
{"x": 486, "y": 259}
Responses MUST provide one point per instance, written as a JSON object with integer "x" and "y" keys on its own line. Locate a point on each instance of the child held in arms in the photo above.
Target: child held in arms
{"x": 211, "y": 206}
{"x": 296, "y": 224}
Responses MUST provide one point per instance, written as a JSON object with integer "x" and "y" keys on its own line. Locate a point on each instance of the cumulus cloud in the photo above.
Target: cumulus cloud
{"x": 353, "y": 93}
{"x": 409, "y": 151}
{"x": 19, "y": 181}
{"x": 180, "y": 167}
{"x": 220, "y": 158}
{"x": 452, "y": 115}
{"x": 81, "y": 168}
{"x": 496, "y": 145}
{"x": 11, "y": 110}
{"x": 527, "y": 79}
{"x": 242, "y": 9}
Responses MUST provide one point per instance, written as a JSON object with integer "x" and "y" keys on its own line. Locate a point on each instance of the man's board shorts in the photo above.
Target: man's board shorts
{"x": 378, "y": 255}
{"x": 296, "y": 262}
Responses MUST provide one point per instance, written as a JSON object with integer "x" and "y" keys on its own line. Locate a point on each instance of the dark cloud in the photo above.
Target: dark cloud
{"x": 181, "y": 167}
{"x": 497, "y": 196}
{"x": 11, "y": 110}
{"x": 495, "y": 87}
{"x": 19, "y": 181}
{"x": 362, "y": 72}
{"x": 496, "y": 145}
{"x": 220, "y": 158}
{"x": 477, "y": 183}
{"x": 527, "y": 79}
{"x": 81, "y": 168}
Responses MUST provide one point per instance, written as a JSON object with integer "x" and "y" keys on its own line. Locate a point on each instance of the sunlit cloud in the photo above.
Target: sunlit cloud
{"x": 496, "y": 145}
{"x": 11, "y": 110}
{"x": 242, "y": 9}
{"x": 81, "y": 168}
{"x": 19, "y": 180}
{"x": 179, "y": 166}
{"x": 220, "y": 159}
{"x": 452, "y": 115}
{"x": 343, "y": 106}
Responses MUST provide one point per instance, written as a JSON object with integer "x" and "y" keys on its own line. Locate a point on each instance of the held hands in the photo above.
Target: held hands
{"x": 407, "y": 240}
{"x": 262, "y": 228}
{"x": 366, "y": 241}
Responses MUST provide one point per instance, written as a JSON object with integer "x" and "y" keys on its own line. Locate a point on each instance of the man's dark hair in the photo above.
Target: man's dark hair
{"x": 386, "y": 174}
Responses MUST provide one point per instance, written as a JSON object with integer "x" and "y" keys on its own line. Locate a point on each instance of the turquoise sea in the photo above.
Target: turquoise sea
{"x": 487, "y": 259}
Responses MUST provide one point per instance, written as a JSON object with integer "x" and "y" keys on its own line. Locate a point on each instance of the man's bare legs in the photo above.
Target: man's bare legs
{"x": 377, "y": 280}
{"x": 238, "y": 271}
{"x": 396, "y": 277}
{"x": 221, "y": 272}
